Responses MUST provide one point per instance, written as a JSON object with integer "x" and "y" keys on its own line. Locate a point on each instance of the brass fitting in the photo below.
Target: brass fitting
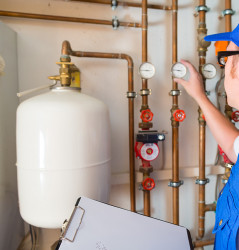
{"x": 145, "y": 125}
{"x": 174, "y": 123}
{"x": 228, "y": 112}
{"x": 201, "y": 118}
{"x": 146, "y": 170}
{"x": 202, "y": 44}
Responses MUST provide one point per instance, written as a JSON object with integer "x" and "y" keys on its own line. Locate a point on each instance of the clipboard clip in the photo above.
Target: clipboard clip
{"x": 72, "y": 227}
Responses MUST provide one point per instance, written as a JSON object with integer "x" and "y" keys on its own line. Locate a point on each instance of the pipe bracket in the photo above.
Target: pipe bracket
{"x": 175, "y": 184}
{"x": 228, "y": 165}
{"x": 131, "y": 94}
{"x": 227, "y": 12}
{"x": 114, "y": 4}
{"x": 115, "y": 23}
{"x": 202, "y": 8}
{"x": 202, "y": 182}
{"x": 143, "y": 92}
{"x": 175, "y": 92}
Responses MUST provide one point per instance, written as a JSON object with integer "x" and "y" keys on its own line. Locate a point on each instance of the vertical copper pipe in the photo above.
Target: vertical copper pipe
{"x": 175, "y": 124}
{"x": 228, "y": 17}
{"x": 145, "y": 86}
{"x": 66, "y": 50}
{"x": 202, "y": 128}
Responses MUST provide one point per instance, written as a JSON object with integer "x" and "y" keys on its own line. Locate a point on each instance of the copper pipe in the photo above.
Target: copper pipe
{"x": 66, "y": 50}
{"x": 203, "y": 243}
{"x": 202, "y": 31}
{"x": 145, "y": 86}
{"x": 126, "y": 4}
{"x": 66, "y": 19}
{"x": 210, "y": 207}
{"x": 175, "y": 124}
{"x": 144, "y": 49}
{"x": 228, "y": 20}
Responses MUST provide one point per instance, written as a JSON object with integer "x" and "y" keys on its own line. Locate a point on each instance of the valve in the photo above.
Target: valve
{"x": 179, "y": 115}
{"x": 148, "y": 184}
{"x": 225, "y": 157}
{"x": 146, "y": 115}
{"x": 235, "y": 116}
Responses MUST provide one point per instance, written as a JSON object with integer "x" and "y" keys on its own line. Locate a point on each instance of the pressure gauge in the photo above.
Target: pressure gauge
{"x": 146, "y": 70}
{"x": 178, "y": 70}
{"x": 209, "y": 71}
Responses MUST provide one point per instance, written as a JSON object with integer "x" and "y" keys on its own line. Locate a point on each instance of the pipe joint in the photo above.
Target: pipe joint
{"x": 146, "y": 170}
{"x": 202, "y": 182}
{"x": 145, "y": 125}
{"x": 202, "y": 44}
{"x": 175, "y": 184}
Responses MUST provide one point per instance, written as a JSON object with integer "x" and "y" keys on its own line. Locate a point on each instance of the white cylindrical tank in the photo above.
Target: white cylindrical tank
{"x": 63, "y": 152}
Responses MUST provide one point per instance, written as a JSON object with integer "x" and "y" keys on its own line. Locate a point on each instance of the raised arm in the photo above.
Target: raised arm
{"x": 222, "y": 129}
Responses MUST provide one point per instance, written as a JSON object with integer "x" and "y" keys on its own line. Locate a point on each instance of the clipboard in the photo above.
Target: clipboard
{"x": 98, "y": 226}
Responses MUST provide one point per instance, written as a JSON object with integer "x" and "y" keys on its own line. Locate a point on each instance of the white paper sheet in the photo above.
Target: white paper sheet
{"x": 106, "y": 227}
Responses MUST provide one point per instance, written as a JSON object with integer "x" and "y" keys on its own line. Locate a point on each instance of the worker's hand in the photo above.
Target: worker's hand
{"x": 194, "y": 86}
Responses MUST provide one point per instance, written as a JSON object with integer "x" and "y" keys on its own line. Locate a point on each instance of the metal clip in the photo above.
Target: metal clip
{"x": 201, "y": 8}
{"x": 228, "y": 165}
{"x": 145, "y": 92}
{"x": 131, "y": 94}
{"x": 175, "y": 184}
{"x": 72, "y": 228}
{"x": 175, "y": 92}
{"x": 115, "y": 23}
{"x": 114, "y": 4}
{"x": 202, "y": 182}
{"x": 207, "y": 92}
{"x": 227, "y": 12}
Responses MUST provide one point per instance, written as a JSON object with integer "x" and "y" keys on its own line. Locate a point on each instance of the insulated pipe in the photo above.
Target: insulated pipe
{"x": 145, "y": 87}
{"x": 66, "y": 50}
{"x": 66, "y": 19}
{"x": 174, "y": 123}
{"x": 125, "y": 4}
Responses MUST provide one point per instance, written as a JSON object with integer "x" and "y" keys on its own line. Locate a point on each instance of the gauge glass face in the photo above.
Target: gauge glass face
{"x": 209, "y": 71}
{"x": 147, "y": 70}
{"x": 179, "y": 70}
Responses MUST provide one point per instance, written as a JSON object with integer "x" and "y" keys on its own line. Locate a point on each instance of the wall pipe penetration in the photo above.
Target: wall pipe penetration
{"x": 66, "y": 50}
{"x": 125, "y": 4}
{"x": 66, "y": 19}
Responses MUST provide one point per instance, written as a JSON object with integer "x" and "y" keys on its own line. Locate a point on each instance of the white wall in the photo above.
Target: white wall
{"x": 39, "y": 47}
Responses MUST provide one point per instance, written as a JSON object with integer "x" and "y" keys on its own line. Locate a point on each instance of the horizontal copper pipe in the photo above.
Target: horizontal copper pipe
{"x": 66, "y": 19}
{"x": 126, "y": 4}
{"x": 203, "y": 243}
{"x": 66, "y": 50}
{"x": 210, "y": 207}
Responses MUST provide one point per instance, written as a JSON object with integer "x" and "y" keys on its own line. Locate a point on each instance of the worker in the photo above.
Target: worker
{"x": 225, "y": 133}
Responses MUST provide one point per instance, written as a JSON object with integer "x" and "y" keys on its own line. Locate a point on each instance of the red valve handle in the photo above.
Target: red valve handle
{"x": 148, "y": 184}
{"x": 225, "y": 158}
{"x": 235, "y": 116}
{"x": 179, "y": 115}
{"x": 146, "y": 115}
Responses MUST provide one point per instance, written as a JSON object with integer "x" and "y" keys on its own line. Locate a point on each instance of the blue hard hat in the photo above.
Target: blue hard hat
{"x": 226, "y": 36}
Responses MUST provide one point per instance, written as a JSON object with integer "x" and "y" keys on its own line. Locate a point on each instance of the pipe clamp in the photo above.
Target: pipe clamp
{"x": 115, "y": 23}
{"x": 131, "y": 94}
{"x": 114, "y": 4}
{"x": 175, "y": 92}
{"x": 202, "y": 8}
{"x": 143, "y": 92}
{"x": 228, "y": 165}
{"x": 175, "y": 184}
{"x": 228, "y": 12}
{"x": 202, "y": 182}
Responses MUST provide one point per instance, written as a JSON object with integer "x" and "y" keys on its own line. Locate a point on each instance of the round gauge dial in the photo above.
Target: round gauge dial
{"x": 178, "y": 70}
{"x": 149, "y": 151}
{"x": 147, "y": 70}
{"x": 209, "y": 71}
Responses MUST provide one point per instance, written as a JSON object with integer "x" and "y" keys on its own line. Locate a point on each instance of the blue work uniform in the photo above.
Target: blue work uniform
{"x": 227, "y": 213}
